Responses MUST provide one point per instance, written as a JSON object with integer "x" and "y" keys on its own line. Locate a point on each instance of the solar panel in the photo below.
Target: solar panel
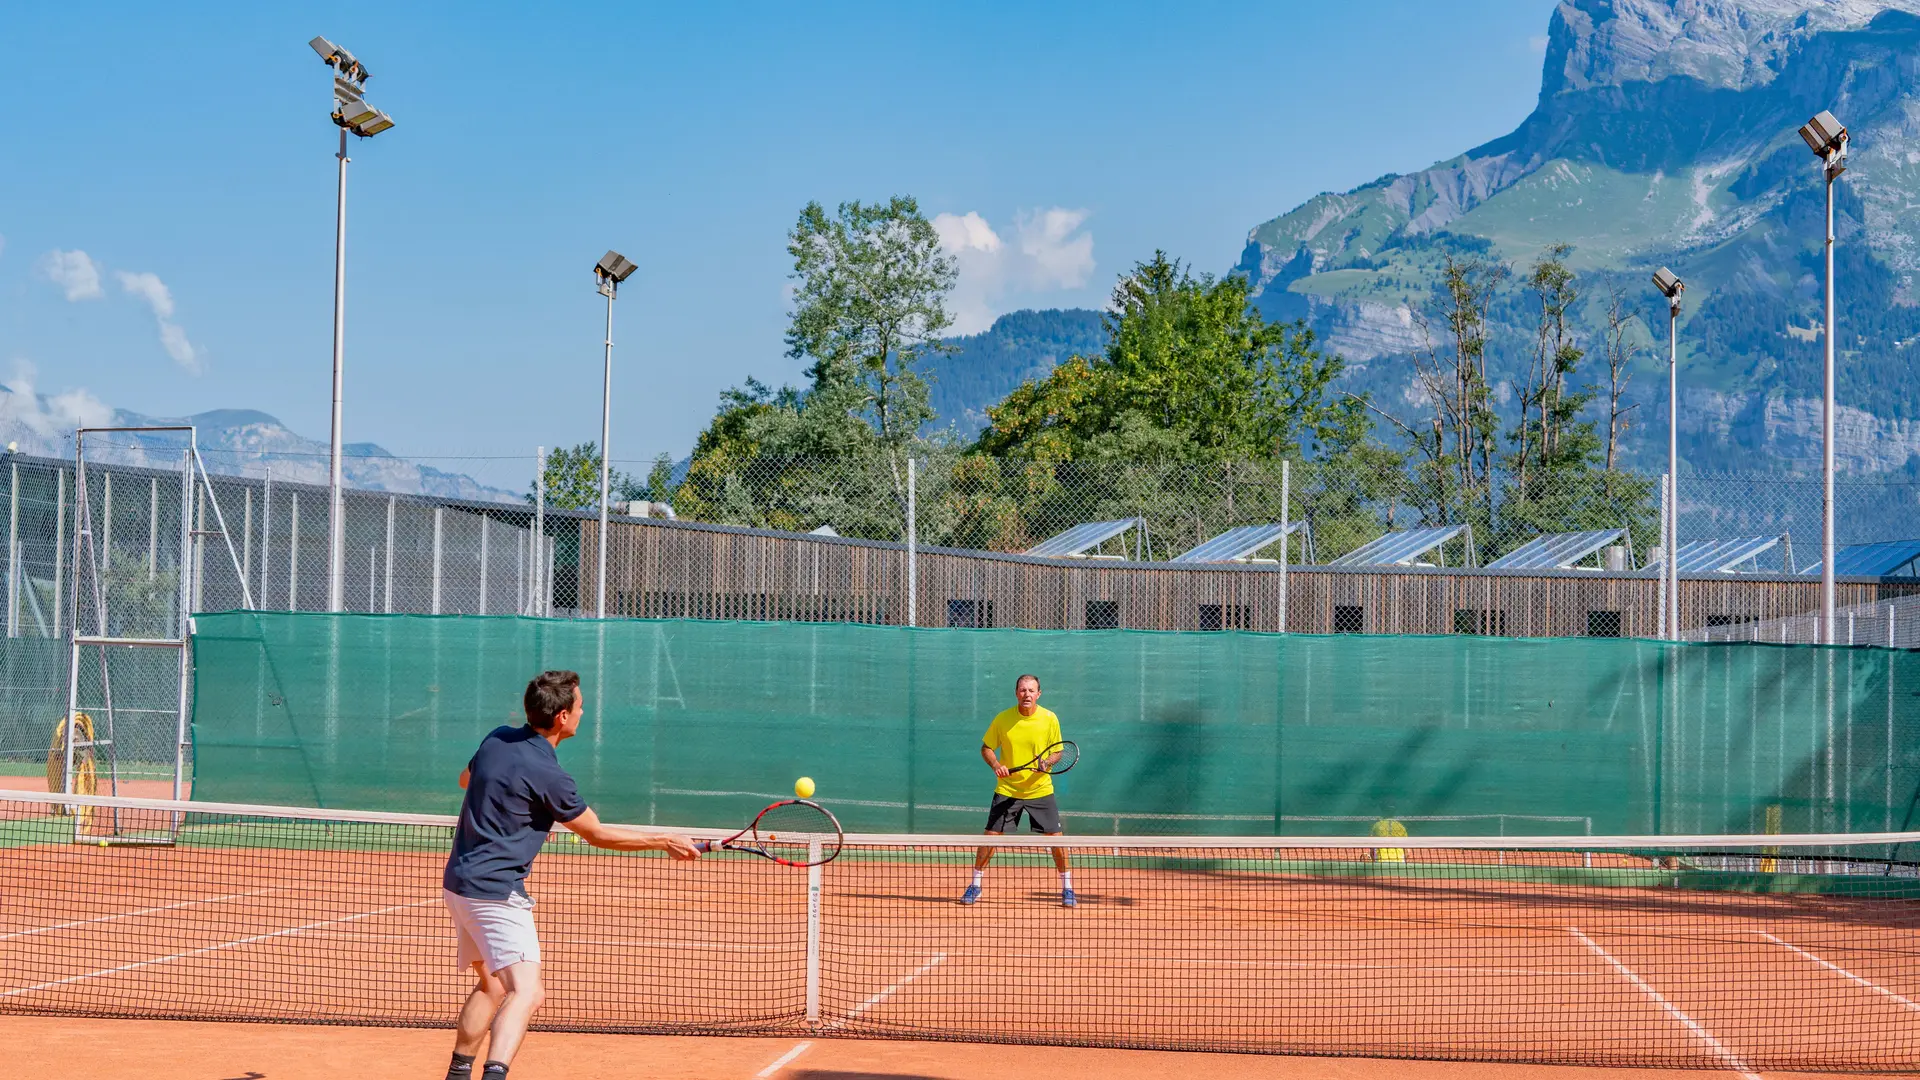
{"x": 1400, "y": 548}
{"x": 1556, "y": 551}
{"x": 1716, "y": 556}
{"x": 1082, "y": 538}
{"x": 1884, "y": 559}
{"x": 1239, "y": 543}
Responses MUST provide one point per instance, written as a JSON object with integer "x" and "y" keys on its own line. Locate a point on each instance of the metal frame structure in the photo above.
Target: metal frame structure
{"x": 1557, "y": 551}
{"x": 1402, "y": 547}
{"x": 1239, "y": 544}
{"x": 1884, "y": 559}
{"x": 1726, "y": 556}
{"x": 91, "y": 558}
{"x": 1077, "y": 541}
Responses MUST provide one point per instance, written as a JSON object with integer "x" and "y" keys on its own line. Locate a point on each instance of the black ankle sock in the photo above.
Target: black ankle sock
{"x": 496, "y": 1070}
{"x": 461, "y": 1067}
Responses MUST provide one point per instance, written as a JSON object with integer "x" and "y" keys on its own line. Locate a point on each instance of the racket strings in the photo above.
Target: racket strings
{"x": 791, "y": 830}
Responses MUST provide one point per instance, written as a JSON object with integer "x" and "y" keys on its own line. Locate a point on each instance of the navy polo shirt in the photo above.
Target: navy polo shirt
{"x": 516, "y": 791}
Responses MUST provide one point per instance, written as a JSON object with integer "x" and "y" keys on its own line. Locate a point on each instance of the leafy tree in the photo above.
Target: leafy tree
{"x": 573, "y": 479}
{"x": 869, "y": 307}
{"x": 1192, "y": 372}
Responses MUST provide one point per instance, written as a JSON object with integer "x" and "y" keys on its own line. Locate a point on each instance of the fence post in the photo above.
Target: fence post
{"x": 293, "y": 551}
{"x": 60, "y": 549}
{"x": 542, "y": 587}
{"x": 1666, "y": 564}
{"x": 1286, "y": 541}
{"x": 13, "y": 549}
{"x": 266, "y": 535}
{"x": 913, "y": 569}
{"x": 438, "y": 513}
{"x": 483, "y": 563}
{"x": 386, "y": 600}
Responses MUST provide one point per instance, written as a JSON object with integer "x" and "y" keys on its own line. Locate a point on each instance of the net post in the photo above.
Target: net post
{"x": 813, "y": 935}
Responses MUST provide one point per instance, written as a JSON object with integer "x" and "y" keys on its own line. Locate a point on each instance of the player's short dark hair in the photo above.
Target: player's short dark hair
{"x": 1024, "y": 678}
{"x": 549, "y": 695}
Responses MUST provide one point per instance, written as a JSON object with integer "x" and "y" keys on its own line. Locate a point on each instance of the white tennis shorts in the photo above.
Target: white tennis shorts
{"x": 498, "y": 933}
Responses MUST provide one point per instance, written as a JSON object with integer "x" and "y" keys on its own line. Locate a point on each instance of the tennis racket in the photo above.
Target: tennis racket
{"x": 793, "y": 832}
{"x": 1068, "y": 753}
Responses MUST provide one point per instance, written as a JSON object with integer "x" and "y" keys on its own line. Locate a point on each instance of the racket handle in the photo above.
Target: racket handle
{"x": 704, "y": 846}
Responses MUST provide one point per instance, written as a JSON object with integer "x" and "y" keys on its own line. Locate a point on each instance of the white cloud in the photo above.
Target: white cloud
{"x": 1050, "y": 251}
{"x": 149, "y": 288}
{"x": 42, "y": 424}
{"x": 1537, "y": 45}
{"x": 73, "y": 271}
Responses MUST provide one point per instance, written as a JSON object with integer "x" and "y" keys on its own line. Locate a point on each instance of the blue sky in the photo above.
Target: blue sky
{"x": 186, "y": 151}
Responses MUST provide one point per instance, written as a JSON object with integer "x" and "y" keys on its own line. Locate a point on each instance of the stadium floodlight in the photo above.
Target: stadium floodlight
{"x": 351, "y": 113}
{"x": 373, "y": 125}
{"x": 612, "y": 269}
{"x": 1671, "y": 287}
{"x": 1826, "y": 136}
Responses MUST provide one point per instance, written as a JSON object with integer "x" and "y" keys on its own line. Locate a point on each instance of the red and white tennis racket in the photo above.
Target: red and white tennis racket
{"x": 792, "y": 832}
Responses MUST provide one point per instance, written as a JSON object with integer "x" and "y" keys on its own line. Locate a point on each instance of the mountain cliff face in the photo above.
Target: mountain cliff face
{"x": 1665, "y": 134}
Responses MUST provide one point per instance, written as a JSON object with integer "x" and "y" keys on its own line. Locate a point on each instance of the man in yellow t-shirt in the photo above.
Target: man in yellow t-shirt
{"x": 1019, "y": 735}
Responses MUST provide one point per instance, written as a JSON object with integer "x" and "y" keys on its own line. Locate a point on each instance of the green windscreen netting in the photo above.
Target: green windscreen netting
{"x": 702, "y": 722}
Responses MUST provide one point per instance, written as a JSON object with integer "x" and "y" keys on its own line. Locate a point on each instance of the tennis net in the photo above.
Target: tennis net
{"x": 1742, "y": 953}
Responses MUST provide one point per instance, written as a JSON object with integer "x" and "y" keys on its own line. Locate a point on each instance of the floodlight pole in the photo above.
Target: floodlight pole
{"x": 608, "y": 287}
{"x": 1834, "y": 163}
{"x": 1672, "y": 599}
{"x": 336, "y": 523}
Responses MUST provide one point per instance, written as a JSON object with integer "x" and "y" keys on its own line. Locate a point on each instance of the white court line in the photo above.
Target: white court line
{"x": 1837, "y": 969}
{"x": 131, "y": 914}
{"x": 782, "y": 1061}
{"x": 1720, "y": 1050}
{"x": 938, "y": 959}
{"x": 213, "y": 948}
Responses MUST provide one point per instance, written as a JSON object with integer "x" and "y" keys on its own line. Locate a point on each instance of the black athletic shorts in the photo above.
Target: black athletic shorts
{"x": 1043, "y": 814}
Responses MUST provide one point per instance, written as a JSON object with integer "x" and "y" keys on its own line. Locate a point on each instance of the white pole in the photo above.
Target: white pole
{"x": 1673, "y": 469}
{"x": 437, "y": 517}
{"x": 266, "y": 536}
{"x": 386, "y": 588}
{"x": 60, "y": 550}
{"x": 293, "y": 551}
{"x": 606, "y": 462}
{"x": 913, "y": 570}
{"x": 1286, "y": 541}
{"x": 336, "y": 525}
{"x": 1666, "y": 563}
{"x": 13, "y": 549}
{"x": 540, "y": 527}
{"x": 1826, "y": 434}
{"x": 483, "y": 563}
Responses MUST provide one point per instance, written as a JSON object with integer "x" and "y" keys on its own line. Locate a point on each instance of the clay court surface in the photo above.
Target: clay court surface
{"x": 1188, "y": 949}
{"x": 72, "y": 1049}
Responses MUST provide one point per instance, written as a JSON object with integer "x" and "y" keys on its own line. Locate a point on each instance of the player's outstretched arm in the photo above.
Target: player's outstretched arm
{"x": 590, "y": 828}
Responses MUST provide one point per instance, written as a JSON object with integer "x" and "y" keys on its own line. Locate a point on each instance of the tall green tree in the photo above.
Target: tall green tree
{"x": 1193, "y": 372}
{"x": 870, "y": 288}
{"x": 573, "y": 479}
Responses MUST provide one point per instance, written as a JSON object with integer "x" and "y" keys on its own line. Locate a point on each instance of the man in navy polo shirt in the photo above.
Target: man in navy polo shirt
{"x": 516, "y": 792}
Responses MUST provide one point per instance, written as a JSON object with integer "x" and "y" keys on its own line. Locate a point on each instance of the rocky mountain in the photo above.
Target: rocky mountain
{"x": 232, "y": 441}
{"x": 1665, "y": 134}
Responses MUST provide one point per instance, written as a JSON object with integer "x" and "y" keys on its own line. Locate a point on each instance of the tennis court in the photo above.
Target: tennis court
{"x": 1719, "y": 953}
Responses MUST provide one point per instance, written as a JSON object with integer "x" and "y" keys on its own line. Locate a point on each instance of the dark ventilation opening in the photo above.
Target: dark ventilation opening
{"x": 977, "y": 614}
{"x": 1225, "y": 617}
{"x": 1604, "y": 624}
{"x": 1349, "y": 619}
{"x": 1480, "y": 621}
{"x": 1103, "y": 614}
{"x": 1731, "y": 620}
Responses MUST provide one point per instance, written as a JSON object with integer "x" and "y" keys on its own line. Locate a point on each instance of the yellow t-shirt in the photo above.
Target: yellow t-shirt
{"x": 1017, "y": 740}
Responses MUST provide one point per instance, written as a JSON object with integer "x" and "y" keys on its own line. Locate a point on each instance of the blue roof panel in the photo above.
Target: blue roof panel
{"x": 1716, "y": 556}
{"x": 1556, "y": 551}
{"x": 1872, "y": 560}
{"x": 1238, "y": 543}
{"x": 1399, "y": 548}
{"x": 1082, "y": 538}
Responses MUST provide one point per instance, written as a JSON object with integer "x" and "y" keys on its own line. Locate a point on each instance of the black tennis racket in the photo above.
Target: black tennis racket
{"x": 793, "y": 832}
{"x": 1067, "y": 755}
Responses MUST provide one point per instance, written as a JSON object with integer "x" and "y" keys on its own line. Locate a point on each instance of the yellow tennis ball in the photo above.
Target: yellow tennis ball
{"x": 803, "y": 787}
{"x": 103, "y": 843}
